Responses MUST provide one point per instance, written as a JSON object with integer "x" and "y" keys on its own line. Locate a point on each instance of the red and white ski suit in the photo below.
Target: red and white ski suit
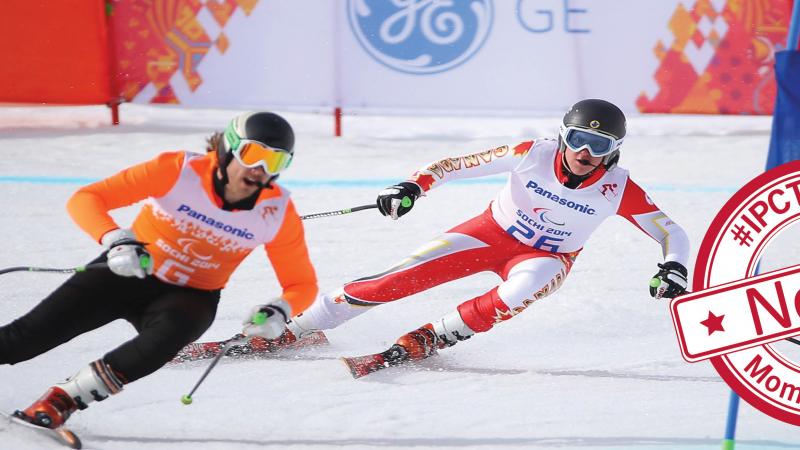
{"x": 530, "y": 236}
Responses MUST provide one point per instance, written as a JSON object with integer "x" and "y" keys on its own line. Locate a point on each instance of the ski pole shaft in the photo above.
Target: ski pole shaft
{"x": 54, "y": 270}
{"x": 226, "y": 345}
{"x": 339, "y": 212}
{"x": 104, "y": 265}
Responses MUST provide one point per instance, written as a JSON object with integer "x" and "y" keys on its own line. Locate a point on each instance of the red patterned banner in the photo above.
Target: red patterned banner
{"x": 721, "y": 58}
{"x": 157, "y": 40}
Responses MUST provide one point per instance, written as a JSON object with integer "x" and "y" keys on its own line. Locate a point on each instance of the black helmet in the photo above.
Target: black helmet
{"x": 596, "y": 115}
{"x": 265, "y": 127}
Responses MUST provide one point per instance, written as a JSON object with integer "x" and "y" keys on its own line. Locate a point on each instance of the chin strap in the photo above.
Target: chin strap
{"x": 219, "y": 182}
{"x": 568, "y": 178}
{"x": 244, "y": 204}
{"x": 268, "y": 184}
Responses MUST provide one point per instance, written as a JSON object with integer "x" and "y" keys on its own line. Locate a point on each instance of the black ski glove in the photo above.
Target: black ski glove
{"x": 670, "y": 281}
{"x": 395, "y": 201}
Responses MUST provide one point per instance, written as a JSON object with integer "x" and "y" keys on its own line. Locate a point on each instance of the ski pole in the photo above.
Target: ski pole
{"x": 339, "y": 212}
{"x": 226, "y": 345}
{"x": 405, "y": 202}
{"x": 104, "y": 265}
{"x": 50, "y": 269}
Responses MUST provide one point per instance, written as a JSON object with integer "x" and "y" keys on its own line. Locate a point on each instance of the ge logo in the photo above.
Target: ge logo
{"x": 420, "y": 37}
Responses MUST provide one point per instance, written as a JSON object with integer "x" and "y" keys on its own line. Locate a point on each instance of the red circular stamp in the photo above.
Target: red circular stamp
{"x": 732, "y": 317}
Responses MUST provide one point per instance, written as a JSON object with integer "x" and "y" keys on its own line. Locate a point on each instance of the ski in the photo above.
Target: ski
{"x": 62, "y": 435}
{"x": 249, "y": 347}
{"x": 360, "y": 366}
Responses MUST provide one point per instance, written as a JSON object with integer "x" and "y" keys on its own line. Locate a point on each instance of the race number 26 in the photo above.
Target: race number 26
{"x": 544, "y": 242}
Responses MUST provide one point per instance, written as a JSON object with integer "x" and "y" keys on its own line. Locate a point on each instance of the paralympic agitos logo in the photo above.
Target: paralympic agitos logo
{"x": 733, "y": 318}
{"x": 543, "y": 216}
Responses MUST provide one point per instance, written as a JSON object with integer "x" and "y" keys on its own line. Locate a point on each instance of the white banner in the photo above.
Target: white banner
{"x": 470, "y": 56}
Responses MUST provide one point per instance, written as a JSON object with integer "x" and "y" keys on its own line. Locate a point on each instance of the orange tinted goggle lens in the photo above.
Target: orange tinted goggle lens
{"x": 252, "y": 154}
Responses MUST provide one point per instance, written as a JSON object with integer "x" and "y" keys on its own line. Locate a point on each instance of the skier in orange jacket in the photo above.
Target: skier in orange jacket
{"x": 203, "y": 214}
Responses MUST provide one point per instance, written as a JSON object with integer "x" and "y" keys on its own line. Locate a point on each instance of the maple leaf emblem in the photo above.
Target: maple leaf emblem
{"x": 522, "y": 148}
{"x": 424, "y": 181}
{"x": 500, "y": 315}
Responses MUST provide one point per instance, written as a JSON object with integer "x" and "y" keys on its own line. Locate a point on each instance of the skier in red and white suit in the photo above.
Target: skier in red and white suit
{"x": 557, "y": 194}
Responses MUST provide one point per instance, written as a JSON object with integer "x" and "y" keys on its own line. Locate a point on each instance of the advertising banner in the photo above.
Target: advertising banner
{"x": 463, "y": 56}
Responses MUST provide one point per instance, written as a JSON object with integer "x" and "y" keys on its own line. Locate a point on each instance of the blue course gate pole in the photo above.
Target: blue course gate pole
{"x": 730, "y": 428}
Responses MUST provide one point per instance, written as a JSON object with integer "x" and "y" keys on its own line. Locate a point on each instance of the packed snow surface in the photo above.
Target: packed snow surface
{"x": 596, "y": 365}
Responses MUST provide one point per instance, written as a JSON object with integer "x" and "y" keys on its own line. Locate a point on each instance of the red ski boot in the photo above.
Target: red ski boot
{"x": 51, "y": 410}
{"x": 414, "y": 346}
{"x": 420, "y": 343}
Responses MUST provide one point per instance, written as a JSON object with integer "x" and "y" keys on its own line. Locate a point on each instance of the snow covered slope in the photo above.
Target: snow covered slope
{"x": 596, "y": 365}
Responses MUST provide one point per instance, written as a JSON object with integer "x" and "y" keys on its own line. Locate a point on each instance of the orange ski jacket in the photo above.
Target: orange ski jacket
{"x": 192, "y": 240}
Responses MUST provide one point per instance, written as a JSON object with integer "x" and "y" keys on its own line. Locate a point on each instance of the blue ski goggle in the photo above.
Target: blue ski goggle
{"x": 597, "y": 143}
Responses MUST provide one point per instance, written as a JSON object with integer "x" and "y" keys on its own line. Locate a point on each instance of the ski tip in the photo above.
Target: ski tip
{"x": 364, "y": 365}
{"x": 351, "y": 366}
{"x": 62, "y": 435}
{"x": 70, "y": 439}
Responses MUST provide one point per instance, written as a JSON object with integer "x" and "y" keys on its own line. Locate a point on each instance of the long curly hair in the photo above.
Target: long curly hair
{"x": 214, "y": 145}
{"x": 214, "y": 142}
